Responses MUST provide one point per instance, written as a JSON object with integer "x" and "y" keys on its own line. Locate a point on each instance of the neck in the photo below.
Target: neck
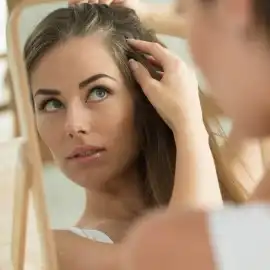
{"x": 112, "y": 209}
{"x": 254, "y": 121}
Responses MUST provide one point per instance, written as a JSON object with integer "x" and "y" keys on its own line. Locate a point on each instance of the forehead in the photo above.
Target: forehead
{"x": 73, "y": 61}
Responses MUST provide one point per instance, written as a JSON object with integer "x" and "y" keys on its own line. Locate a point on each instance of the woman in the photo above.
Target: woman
{"x": 235, "y": 35}
{"x": 241, "y": 161}
{"x": 104, "y": 133}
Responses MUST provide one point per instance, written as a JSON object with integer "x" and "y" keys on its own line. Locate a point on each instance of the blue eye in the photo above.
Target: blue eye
{"x": 97, "y": 94}
{"x": 51, "y": 105}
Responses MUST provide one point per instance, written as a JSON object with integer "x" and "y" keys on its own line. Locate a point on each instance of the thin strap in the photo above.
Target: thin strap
{"x": 94, "y": 235}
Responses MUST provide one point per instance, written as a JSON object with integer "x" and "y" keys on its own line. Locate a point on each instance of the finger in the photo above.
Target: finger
{"x": 161, "y": 54}
{"x": 153, "y": 61}
{"x": 143, "y": 77}
{"x": 161, "y": 73}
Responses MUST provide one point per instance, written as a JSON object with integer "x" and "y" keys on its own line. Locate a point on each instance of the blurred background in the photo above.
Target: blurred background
{"x": 65, "y": 200}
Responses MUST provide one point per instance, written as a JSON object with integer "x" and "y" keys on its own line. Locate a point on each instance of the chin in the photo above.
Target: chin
{"x": 87, "y": 179}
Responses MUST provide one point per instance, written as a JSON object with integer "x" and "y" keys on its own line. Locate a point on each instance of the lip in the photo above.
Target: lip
{"x": 85, "y": 153}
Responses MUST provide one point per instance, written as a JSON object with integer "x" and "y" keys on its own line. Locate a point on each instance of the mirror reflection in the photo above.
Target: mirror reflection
{"x": 112, "y": 155}
{"x": 109, "y": 157}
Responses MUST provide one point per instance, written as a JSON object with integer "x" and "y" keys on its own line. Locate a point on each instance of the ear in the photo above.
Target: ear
{"x": 236, "y": 14}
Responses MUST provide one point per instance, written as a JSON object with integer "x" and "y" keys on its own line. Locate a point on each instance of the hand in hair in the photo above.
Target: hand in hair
{"x": 176, "y": 99}
{"x": 175, "y": 96}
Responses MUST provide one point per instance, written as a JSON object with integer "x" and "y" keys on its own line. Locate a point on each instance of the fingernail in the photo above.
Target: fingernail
{"x": 133, "y": 64}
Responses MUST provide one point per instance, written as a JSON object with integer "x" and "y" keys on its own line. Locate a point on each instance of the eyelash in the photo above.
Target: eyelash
{"x": 91, "y": 90}
{"x": 43, "y": 104}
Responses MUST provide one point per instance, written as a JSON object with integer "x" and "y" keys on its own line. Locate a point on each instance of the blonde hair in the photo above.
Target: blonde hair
{"x": 231, "y": 188}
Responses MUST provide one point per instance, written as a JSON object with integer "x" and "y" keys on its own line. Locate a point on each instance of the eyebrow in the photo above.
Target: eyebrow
{"x": 94, "y": 78}
{"x": 83, "y": 84}
{"x": 47, "y": 92}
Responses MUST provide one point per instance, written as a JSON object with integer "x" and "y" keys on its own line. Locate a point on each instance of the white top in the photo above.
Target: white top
{"x": 94, "y": 235}
{"x": 240, "y": 237}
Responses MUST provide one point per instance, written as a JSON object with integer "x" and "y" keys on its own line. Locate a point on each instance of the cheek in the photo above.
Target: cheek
{"x": 49, "y": 129}
{"x": 120, "y": 129}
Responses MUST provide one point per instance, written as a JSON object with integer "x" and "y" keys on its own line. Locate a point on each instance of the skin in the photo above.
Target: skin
{"x": 106, "y": 119}
{"x": 221, "y": 30}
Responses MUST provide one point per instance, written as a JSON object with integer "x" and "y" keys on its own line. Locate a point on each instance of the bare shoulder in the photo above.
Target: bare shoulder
{"x": 230, "y": 238}
{"x": 170, "y": 241}
{"x": 76, "y": 252}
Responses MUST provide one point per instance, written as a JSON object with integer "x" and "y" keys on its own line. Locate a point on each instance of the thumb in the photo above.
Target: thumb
{"x": 143, "y": 77}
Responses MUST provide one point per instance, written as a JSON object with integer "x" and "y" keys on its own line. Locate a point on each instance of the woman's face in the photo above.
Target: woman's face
{"x": 84, "y": 112}
{"x": 232, "y": 61}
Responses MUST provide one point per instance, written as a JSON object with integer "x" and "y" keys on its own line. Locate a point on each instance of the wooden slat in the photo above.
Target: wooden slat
{"x": 20, "y": 210}
{"x": 13, "y": 175}
{"x": 10, "y": 157}
{"x": 28, "y": 128}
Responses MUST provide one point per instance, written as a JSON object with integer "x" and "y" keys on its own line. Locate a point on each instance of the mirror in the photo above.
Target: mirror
{"x": 64, "y": 197}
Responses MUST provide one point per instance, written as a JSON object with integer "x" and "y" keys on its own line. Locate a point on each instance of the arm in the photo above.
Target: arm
{"x": 163, "y": 18}
{"x": 78, "y": 253}
{"x": 195, "y": 161}
{"x": 169, "y": 241}
{"x": 233, "y": 238}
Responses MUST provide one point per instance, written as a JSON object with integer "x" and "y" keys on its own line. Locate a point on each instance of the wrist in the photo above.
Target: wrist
{"x": 192, "y": 128}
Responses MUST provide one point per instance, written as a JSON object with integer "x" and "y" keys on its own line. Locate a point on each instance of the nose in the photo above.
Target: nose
{"x": 78, "y": 122}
